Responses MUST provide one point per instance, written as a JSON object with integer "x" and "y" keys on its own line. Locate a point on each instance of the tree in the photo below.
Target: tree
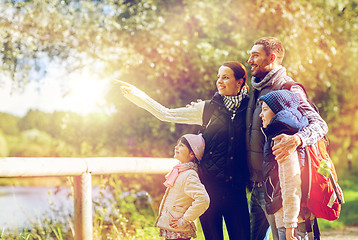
{"x": 172, "y": 50}
{"x": 9, "y": 124}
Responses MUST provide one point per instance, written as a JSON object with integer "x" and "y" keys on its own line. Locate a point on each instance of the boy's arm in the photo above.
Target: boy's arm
{"x": 290, "y": 182}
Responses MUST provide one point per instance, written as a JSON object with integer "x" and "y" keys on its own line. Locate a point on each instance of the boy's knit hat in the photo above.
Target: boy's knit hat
{"x": 280, "y": 100}
{"x": 197, "y": 144}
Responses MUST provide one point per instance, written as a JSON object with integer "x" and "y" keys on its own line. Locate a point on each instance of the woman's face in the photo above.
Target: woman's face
{"x": 227, "y": 84}
{"x": 182, "y": 153}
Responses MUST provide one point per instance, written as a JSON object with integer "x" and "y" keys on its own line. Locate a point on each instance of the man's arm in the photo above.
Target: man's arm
{"x": 315, "y": 130}
{"x": 317, "y": 127}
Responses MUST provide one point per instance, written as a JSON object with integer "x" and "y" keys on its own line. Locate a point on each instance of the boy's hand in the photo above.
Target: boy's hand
{"x": 286, "y": 146}
{"x": 290, "y": 234}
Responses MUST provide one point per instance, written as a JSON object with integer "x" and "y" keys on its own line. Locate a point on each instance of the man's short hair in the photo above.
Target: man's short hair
{"x": 272, "y": 45}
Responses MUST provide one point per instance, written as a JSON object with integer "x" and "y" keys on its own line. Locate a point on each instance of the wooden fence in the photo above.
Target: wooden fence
{"x": 82, "y": 170}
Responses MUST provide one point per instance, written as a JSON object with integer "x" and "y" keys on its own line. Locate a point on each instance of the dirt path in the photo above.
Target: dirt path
{"x": 347, "y": 233}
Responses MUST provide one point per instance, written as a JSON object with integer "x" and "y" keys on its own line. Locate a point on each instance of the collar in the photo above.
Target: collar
{"x": 259, "y": 84}
{"x": 192, "y": 165}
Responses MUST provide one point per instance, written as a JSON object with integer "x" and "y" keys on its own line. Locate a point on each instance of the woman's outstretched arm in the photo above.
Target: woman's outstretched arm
{"x": 185, "y": 115}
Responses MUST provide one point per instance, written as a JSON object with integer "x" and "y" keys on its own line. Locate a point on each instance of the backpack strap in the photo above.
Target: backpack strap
{"x": 312, "y": 229}
{"x": 316, "y": 232}
{"x": 289, "y": 84}
{"x": 207, "y": 113}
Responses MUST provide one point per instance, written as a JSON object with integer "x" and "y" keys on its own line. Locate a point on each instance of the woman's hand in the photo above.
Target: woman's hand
{"x": 193, "y": 103}
{"x": 125, "y": 87}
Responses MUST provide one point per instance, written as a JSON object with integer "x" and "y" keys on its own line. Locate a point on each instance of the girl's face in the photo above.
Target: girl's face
{"x": 182, "y": 153}
{"x": 266, "y": 114}
{"x": 227, "y": 84}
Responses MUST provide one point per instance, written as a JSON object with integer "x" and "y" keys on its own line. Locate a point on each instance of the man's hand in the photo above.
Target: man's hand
{"x": 286, "y": 146}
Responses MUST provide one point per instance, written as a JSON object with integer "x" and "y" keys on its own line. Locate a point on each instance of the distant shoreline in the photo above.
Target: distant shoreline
{"x": 34, "y": 181}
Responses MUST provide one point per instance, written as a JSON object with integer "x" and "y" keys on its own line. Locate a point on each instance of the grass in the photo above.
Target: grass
{"x": 349, "y": 212}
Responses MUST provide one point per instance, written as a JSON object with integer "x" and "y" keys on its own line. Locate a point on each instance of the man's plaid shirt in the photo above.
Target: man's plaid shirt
{"x": 317, "y": 127}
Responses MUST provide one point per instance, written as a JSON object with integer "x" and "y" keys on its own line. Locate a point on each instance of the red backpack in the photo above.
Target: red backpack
{"x": 321, "y": 193}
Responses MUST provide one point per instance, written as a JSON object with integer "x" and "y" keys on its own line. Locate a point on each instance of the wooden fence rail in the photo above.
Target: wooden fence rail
{"x": 82, "y": 169}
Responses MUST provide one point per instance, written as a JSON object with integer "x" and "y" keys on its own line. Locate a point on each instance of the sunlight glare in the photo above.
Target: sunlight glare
{"x": 86, "y": 94}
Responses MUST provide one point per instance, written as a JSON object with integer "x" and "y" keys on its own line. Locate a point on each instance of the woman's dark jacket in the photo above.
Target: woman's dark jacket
{"x": 289, "y": 122}
{"x": 224, "y": 159}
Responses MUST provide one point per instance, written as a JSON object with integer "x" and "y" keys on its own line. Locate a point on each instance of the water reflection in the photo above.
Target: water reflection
{"x": 24, "y": 207}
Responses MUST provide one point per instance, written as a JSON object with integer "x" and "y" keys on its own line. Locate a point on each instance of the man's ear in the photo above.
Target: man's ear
{"x": 273, "y": 57}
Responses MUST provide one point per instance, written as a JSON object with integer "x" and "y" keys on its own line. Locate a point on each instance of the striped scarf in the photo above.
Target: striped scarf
{"x": 232, "y": 103}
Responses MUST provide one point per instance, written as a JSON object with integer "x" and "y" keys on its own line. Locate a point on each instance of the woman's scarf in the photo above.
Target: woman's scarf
{"x": 232, "y": 103}
{"x": 174, "y": 173}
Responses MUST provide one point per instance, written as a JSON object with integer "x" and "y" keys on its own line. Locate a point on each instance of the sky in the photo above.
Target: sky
{"x": 78, "y": 92}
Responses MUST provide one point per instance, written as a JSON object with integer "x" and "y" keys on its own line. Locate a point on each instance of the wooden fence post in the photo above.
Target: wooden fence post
{"x": 81, "y": 170}
{"x": 83, "y": 206}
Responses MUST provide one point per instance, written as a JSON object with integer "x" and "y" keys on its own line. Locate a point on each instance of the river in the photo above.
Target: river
{"x": 22, "y": 207}
{"x": 26, "y": 207}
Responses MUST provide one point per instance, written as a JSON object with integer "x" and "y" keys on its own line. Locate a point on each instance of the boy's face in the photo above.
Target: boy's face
{"x": 182, "y": 153}
{"x": 266, "y": 114}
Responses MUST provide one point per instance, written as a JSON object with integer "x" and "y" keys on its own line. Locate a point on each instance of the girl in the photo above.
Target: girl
{"x": 185, "y": 198}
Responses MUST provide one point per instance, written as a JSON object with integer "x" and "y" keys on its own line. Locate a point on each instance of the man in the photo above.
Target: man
{"x": 268, "y": 75}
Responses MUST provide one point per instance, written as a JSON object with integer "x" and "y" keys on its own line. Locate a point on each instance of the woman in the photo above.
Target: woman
{"x": 223, "y": 168}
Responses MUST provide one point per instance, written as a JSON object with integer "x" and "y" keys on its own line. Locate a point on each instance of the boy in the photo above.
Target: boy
{"x": 282, "y": 180}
